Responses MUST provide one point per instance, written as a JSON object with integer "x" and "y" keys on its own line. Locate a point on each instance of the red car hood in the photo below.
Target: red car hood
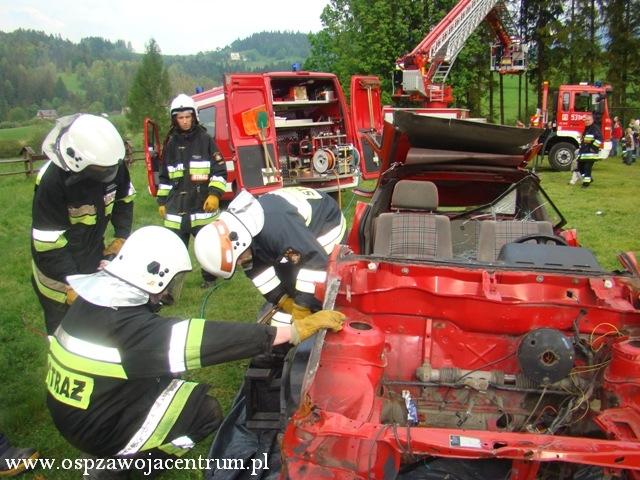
{"x": 419, "y": 139}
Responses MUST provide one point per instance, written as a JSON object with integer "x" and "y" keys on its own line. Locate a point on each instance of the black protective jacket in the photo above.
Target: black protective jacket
{"x": 112, "y": 371}
{"x": 591, "y": 143}
{"x": 190, "y": 172}
{"x": 291, "y": 252}
{"x": 69, "y": 218}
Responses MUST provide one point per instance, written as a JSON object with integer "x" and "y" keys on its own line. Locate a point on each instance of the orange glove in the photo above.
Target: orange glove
{"x": 114, "y": 247}
{"x": 162, "y": 210}
{"x": 71, "y": 295}
{"x": 302, "y": 329}
{"x": 211, "y": 204}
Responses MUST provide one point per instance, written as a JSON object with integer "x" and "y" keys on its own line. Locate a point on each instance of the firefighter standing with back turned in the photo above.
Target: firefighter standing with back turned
{"x": 282, "y": 240}
{"x": 113, "y": 389}
{"x": 588, "y": 152}
{"x": 84, "y": 186}
{"x": 193, "y": 175}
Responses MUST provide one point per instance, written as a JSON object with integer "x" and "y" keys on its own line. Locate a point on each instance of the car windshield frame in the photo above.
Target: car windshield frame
{"x": 516, "y": 188}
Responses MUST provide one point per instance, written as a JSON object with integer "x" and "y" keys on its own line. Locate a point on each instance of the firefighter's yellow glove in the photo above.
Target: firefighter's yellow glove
{"x": 162, "y": 210}
{"x": 71, "y": 295}
{"x": 303, "y": 328}
{"x": 211, "y": 204}
{"x": 286, "y": 304}
{"x": 299, "y": 312}
{"x": 114, "y": 247}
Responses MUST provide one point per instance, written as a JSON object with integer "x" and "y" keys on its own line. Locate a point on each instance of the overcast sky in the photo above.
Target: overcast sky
{"x": 179, "y": 27}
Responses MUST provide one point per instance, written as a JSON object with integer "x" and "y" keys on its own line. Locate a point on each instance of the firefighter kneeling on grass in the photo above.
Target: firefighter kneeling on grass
{"x": 282, "y": 240}
{"x": 113, "y": 364}
{"x": 588, "y": 153}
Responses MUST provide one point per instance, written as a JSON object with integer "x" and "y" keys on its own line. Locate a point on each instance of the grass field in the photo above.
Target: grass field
{"x": 24, "y": 416}
{"x": 17, "y": 133}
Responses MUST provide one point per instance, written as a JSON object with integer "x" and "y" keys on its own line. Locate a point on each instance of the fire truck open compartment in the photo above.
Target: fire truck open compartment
{"x": 312, "y": 134}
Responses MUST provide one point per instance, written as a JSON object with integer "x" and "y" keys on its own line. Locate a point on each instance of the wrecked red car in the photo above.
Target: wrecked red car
{"x": 481, "y": 341}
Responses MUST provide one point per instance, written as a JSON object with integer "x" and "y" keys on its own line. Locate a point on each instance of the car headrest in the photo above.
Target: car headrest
{"x": 414, "y": 195}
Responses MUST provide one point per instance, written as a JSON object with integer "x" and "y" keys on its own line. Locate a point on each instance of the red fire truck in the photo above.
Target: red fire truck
{"x": 285, "y": 128}
{"x": 571, "y": 103}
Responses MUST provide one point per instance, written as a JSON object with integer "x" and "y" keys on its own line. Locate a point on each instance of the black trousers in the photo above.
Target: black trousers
{"x": 207, "y": 420}
{"x": 585, "y": 168}
{"x": 53, "y": 311}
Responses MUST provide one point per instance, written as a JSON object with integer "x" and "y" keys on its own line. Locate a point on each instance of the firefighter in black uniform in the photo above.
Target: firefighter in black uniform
{"x": 113, "y": 364}
{"x": 84, "y": 186}
{"x": 282, "y": 240}
{"x": 589, "y": 151}
{"x": 193, "y": 175}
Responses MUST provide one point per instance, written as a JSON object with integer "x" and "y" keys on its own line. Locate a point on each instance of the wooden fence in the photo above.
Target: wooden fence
{"x": 30, "y": 158}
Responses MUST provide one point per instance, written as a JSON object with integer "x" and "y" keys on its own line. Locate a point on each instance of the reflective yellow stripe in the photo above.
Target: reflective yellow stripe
{"x": 108, "y": 209}
{"x": 203, "y": 221}
{"x": 84, "y": 219}
{"x": 68, "y": 387}
{"x": 163, "y": 193}
{"x": 83, "y": 364}
{"x": 172, "y": 449}
{"x": 50, "y": 293}
{"x": 170, "y": 416}
{"x": 171, "y": 224}
{"x": 128, "y": 198}
{"x": 176, "y": 174}
{"x": 45, "y": 240}
{"x": 40, "y": 246}
{"x": 194, "y": 341}
{"x": 219, "y": 185}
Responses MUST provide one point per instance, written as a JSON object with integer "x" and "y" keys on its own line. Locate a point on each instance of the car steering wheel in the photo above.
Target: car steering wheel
{"x": 542, "y": 238}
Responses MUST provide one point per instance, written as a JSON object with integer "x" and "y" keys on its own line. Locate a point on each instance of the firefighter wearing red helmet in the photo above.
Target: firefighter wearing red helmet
{"x": 282, "y": 240}
{"x": 84, "y": 187}
{"x": 193, "y": 174}
{"x": 113, "y": 367}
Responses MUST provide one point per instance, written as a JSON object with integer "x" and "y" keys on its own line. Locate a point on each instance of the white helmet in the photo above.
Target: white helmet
{"x": 150, "y": 259}
{"x": 82, "y": 140}
{"x": 219, "y": 244}
{"x": 184, "y": 102}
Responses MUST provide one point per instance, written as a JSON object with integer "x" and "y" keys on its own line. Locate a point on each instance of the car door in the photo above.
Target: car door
{"x": 252, "y": 131}
{"x": 152, "y": 155}
{"x": 366, "y": 115}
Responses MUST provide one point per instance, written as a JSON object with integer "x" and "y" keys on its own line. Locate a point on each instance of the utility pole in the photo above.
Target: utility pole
{"x": 491, "y": 96}
{"x": 520, "y": 96}
{"x": 501, "y": 101}
{"x": 526, "y": 96}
